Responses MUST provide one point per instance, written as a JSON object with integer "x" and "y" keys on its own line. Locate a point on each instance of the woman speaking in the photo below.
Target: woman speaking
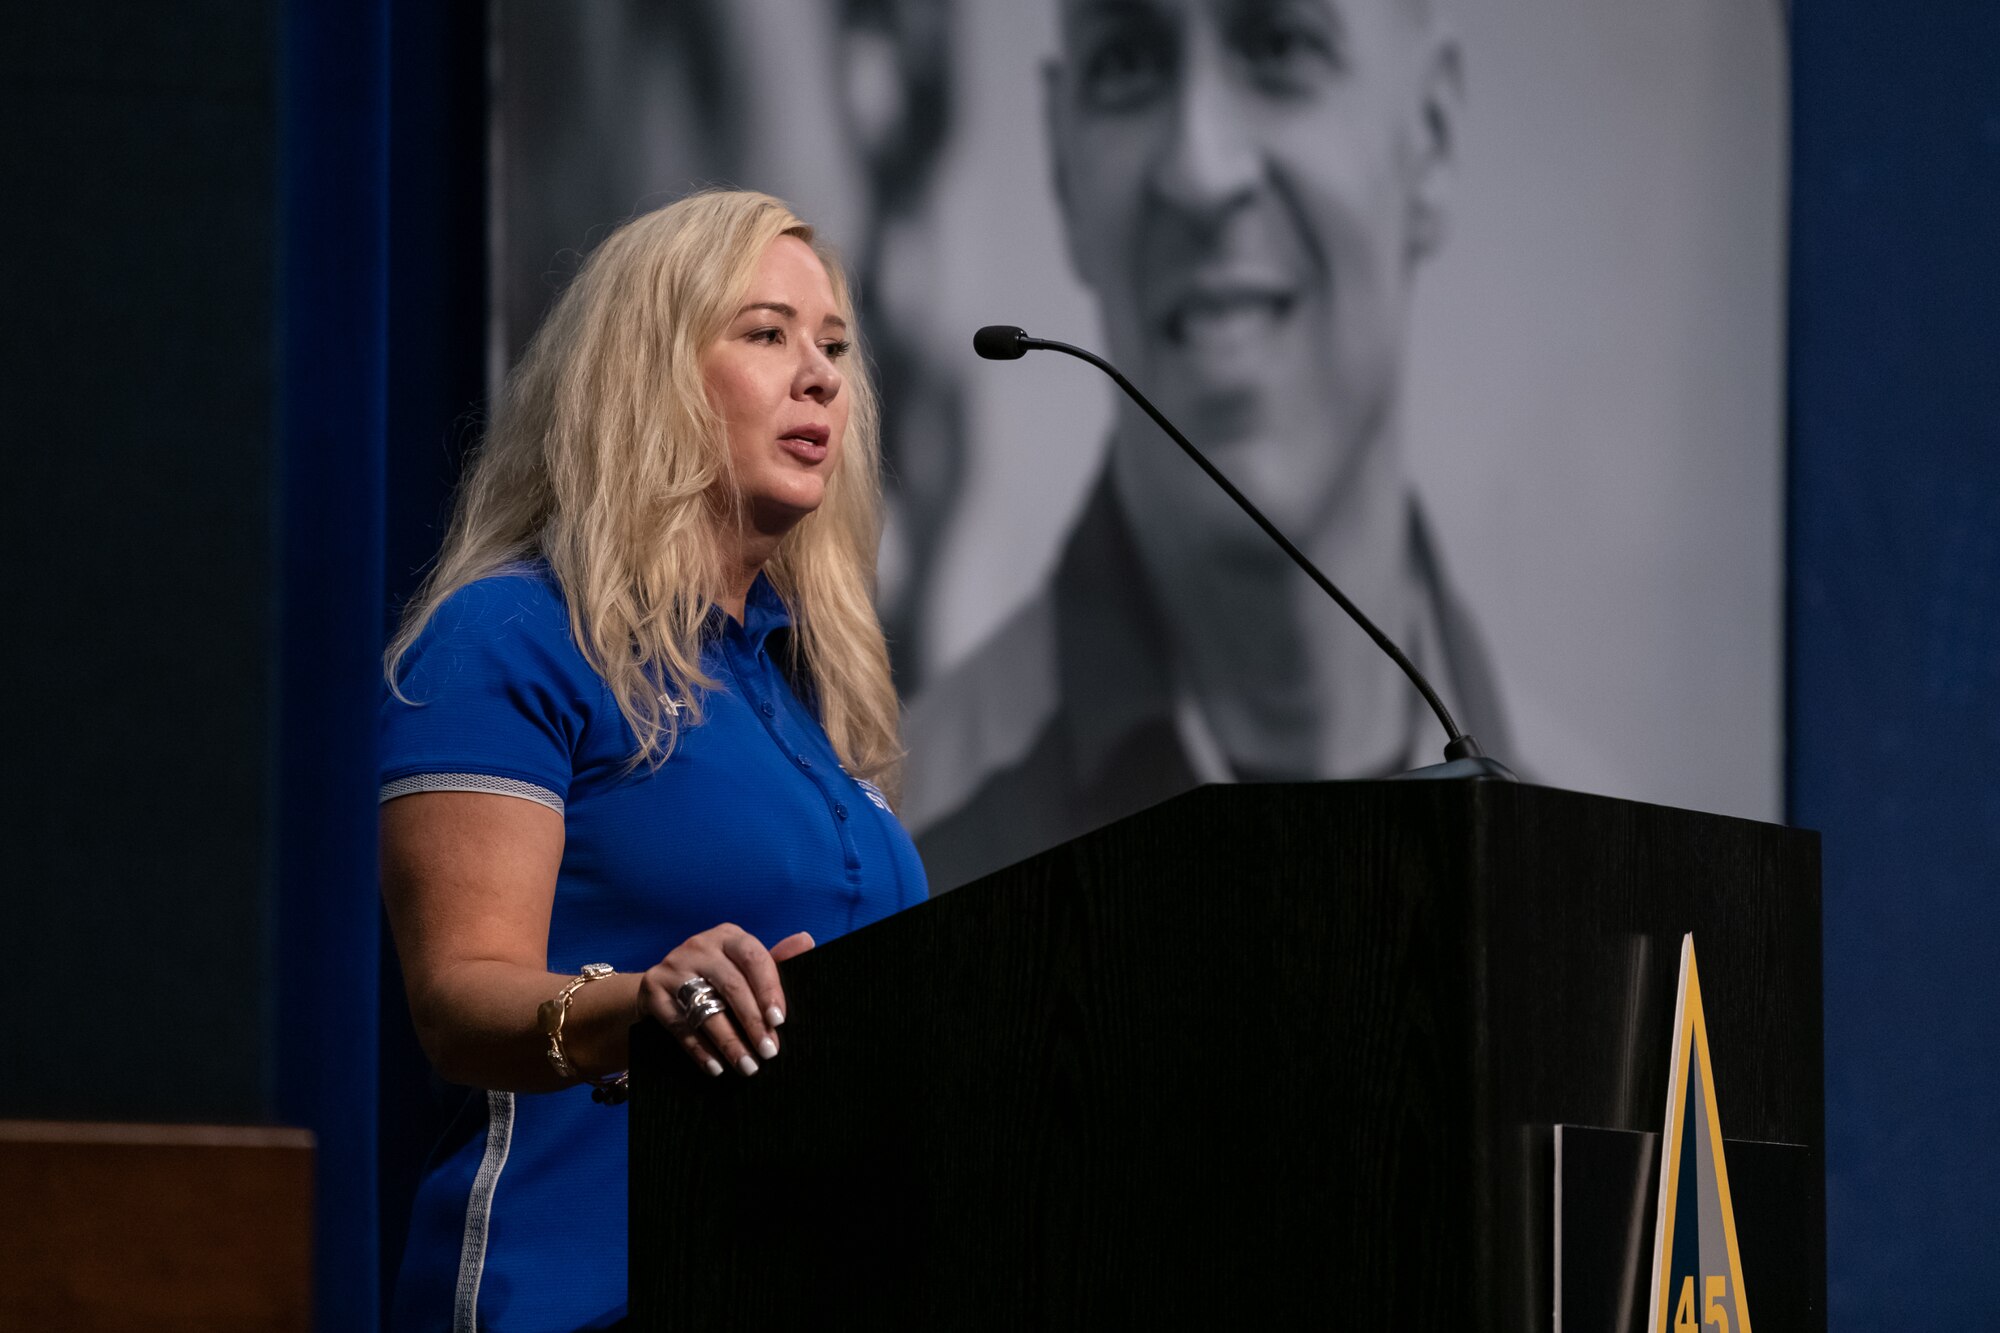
{"x": 642, "y": 741}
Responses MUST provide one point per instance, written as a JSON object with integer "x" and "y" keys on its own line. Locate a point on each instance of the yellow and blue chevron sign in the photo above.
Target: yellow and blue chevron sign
{"x": 1697, "y": 1268}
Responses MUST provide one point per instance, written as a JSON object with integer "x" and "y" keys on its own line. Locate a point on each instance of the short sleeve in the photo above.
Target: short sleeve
{"x": 495, "y": 697}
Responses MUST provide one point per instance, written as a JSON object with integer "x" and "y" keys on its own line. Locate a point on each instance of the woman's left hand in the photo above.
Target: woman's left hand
{"x": 745, "y": 976}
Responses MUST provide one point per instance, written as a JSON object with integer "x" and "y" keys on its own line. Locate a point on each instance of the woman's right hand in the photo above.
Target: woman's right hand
{"x": 745, "y": 977}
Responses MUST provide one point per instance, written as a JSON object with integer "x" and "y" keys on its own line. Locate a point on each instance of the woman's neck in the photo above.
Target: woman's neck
{"x": 735, "y": 597}
{"x": 742, "y": 561}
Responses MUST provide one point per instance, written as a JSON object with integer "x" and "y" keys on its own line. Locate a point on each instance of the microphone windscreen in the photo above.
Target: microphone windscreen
{"x": 999, "y": 342}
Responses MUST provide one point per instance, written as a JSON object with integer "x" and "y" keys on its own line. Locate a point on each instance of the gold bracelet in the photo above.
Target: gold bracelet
{"x": 554, "y": 1013}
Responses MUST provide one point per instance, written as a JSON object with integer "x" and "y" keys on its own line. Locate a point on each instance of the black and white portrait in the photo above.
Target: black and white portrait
{"x": 1480, "y": 303}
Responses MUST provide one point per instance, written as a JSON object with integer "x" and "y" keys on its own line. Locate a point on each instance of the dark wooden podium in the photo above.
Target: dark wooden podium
{"x": 1260, "y": 1055}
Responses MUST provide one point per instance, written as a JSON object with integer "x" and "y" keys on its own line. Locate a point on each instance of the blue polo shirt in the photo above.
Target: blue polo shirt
{"x": 519, "y": 1224}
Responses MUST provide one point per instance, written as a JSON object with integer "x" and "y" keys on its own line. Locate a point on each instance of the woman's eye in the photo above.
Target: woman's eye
{"x": 836, "y": 350}
{"x": 770, "y": 336}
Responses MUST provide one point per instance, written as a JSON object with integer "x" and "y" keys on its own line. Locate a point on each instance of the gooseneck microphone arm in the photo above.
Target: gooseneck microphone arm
{"x": 1001, "y": 342}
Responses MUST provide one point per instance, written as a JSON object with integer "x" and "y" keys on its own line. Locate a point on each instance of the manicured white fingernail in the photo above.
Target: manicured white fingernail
{"x": 747, "y": 1065}
{"x": 776, "y": 1015}
{"x": 768, "y": 1049}
{"x": 715, "y": 1066}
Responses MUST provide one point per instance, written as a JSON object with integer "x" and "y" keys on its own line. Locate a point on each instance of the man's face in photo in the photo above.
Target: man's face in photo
{"x": 1247, "y": 187}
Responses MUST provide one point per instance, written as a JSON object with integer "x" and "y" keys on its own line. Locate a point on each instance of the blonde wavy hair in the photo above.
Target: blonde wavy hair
{"x": 605, "y": 459}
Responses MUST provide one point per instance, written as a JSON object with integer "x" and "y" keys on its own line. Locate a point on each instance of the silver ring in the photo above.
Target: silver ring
{"x": 698, "y": 1002}
{"x": 705, "y": 1008}
{"x": 691, "y": 991}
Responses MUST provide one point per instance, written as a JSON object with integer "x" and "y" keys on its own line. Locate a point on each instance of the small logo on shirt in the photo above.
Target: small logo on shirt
{"x": 671, "y": 704}
{"x": 874, "y": 793}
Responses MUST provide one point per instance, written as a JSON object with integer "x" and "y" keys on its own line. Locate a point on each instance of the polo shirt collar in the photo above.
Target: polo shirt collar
{"x": 764, "y": 615}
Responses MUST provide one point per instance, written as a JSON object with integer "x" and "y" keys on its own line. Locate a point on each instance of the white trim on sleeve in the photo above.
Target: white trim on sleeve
{"x": 481, "y": 782}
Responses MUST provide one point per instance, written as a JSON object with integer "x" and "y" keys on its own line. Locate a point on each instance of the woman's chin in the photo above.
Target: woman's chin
{"x": 777, "y": 513}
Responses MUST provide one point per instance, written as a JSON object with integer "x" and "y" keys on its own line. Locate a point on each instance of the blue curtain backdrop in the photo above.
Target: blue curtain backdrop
{"x": 382, "y": 225}
{"x": 1894, "y": 602}
{"x": 333, "y": 315}
{"x": 1895, "y": 636}
{"x": 436, "y": 376}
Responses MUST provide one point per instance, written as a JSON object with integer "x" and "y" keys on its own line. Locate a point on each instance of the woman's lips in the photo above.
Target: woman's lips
{"x": 807, "y": 444}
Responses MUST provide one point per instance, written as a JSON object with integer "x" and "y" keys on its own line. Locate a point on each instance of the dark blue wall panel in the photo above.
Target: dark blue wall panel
{"x": 435, "y": 386}
{"x": 333, "y": 301}
{"x": 1895, "y": 636}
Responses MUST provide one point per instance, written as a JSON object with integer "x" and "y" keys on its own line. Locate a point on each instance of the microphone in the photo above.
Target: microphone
{"x": 1000, "y": 342}
{"x": 1462, "y": 756}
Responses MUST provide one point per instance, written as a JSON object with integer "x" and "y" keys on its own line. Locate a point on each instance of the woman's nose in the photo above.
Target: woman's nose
{"x": 818, "y": 379}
